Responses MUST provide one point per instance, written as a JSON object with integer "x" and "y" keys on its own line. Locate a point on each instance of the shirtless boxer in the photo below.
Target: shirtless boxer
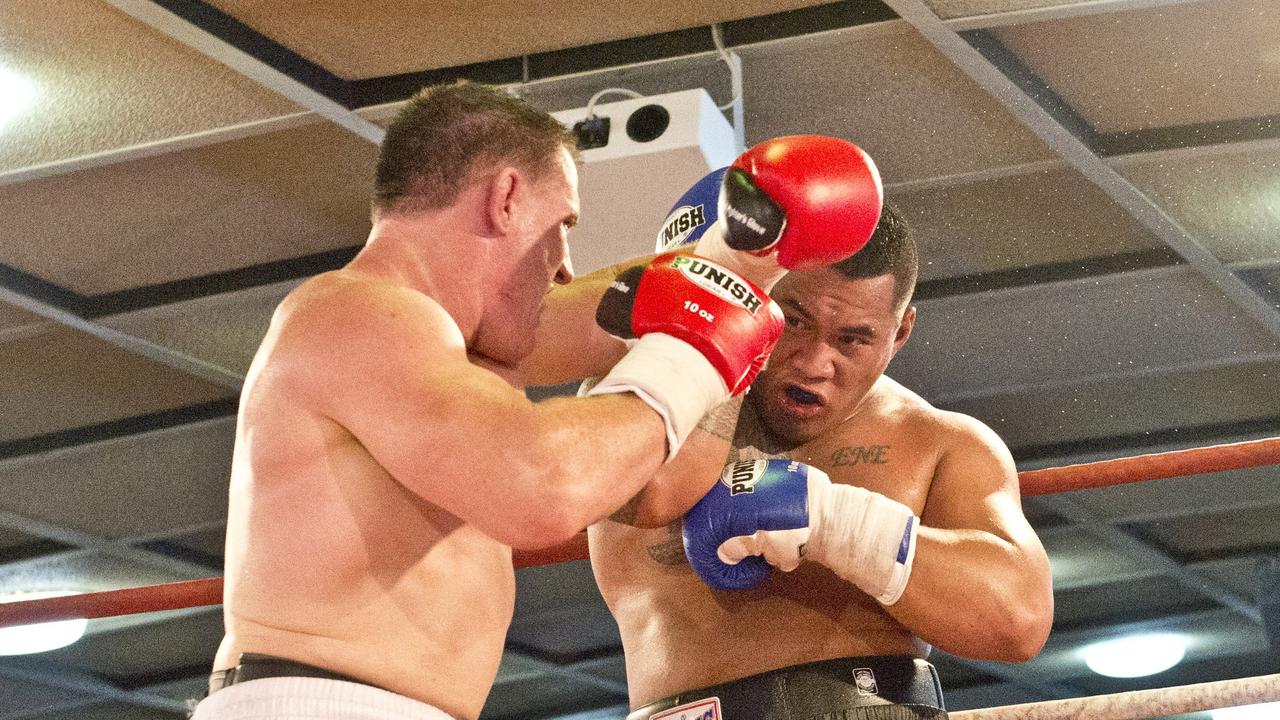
{"x": 386, "y": 460}
{"x": 815, "y": 640}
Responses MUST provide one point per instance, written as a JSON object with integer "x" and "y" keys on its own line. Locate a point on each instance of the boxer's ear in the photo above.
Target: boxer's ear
{"x": 904, "y": 328}
{"x": 501, "y": 199}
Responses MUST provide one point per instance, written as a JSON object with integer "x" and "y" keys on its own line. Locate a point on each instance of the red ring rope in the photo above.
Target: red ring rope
{"x": 196, "y": 593}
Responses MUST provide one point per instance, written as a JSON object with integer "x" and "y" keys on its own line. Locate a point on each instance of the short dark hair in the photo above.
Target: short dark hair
{"x": 891, "y": 250}
{"x": 446, "y": 133}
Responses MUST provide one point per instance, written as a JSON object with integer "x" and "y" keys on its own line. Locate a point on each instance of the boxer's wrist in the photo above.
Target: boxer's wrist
{"x": 763, "y": 270}
{"x": 673, "y": 378}
{"x": 863, "y": 536}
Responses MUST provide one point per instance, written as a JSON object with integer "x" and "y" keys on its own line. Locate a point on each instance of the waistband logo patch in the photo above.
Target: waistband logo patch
{"x": 706, "y": 709}
{"x": 865, "y": 680}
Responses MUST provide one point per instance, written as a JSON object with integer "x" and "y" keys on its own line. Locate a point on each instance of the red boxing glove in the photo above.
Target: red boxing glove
{"x": 704, "y": 335}
{"x": 811, "y": 199}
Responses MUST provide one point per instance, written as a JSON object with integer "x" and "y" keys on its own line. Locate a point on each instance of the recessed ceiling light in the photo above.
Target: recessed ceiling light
{"x": 17, "y": 93}
{"x": 40, "y": 637}
{"x": 1135, "y": 655}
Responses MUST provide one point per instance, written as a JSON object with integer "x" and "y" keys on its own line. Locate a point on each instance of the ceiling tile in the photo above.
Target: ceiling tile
{"x": 1124, "y": 601}
{"x": 1174, "y": 64}
{"x": 24, "y": 696}
{"x": 391, "y": 37}
{"x": 1079, "y": 558}
{"x": 1182, "y": 496}
{"x": 948, "y": 9}
{"x": 905, "y": 92}
{"x": 14, "y": 318}
{"x": 1226, "y": 196}
{"x": 223, "y": 329}
{"x": 105, "y": 81}
{"x": 143, "y": 484}
{"x": 140, "y": 651}
{"x": 1112, "y": 326}
{"x": 1237, "y": 574}
{"x": 64, "y": 379}
{"x": 1207, "y": 535}
{"x": 1133, "y": 412}
{"x": 193, "y": 212}
{"x": 1015, "y": 222}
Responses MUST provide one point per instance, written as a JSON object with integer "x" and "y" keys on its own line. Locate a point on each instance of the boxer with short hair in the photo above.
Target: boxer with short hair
{"x": 855, "y": 526}
{"x": 387, "y": 461}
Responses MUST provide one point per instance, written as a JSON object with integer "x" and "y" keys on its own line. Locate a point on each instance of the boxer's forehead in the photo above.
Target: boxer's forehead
{"x": 826, "y": 294}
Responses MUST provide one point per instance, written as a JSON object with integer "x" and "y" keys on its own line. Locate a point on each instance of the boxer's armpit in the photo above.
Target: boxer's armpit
{"x": 627, "y": 513}
{"x": 669, "y": 552}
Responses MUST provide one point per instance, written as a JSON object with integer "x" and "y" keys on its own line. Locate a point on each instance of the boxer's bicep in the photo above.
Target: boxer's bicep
{"x": 975, "y": 487}
{"x": 395, "y": 375}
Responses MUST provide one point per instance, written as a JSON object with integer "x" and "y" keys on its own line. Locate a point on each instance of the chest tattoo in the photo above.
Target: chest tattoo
{"x": 861, "y": 455}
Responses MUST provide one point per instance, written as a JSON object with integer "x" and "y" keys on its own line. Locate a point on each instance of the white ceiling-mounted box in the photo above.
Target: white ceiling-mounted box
{"x": 628, "y": 184}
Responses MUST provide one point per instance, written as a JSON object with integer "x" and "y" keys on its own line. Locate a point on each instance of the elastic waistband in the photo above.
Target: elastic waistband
{"x": 882, "y": 687}
{"x": 309, "y": 698}
{"x": 256, "y": 666}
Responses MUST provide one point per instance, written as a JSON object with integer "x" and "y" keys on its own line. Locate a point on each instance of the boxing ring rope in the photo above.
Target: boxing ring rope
{"x": 1106, "y": 473}
{"x": 1139, "y": 704}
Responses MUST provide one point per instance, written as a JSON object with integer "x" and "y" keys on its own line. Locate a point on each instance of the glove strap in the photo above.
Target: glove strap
{"x": 673, "y": 378}
{"x": 763, "y": 270}
{"x": 865, "y": 538}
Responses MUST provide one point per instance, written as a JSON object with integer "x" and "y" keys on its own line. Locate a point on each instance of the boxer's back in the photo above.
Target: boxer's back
{"x": 679, "y": 634}
{"x": 331, "y": 562}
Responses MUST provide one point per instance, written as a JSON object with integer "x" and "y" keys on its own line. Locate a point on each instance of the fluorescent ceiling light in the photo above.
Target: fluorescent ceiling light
{"x": 1265, "y": 711}
{"x": 41, "y": 637}
{"x": 1135, "y": 655}
{"x": 17, "y": 93}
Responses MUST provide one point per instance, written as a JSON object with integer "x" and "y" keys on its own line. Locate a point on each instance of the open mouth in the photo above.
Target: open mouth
{"x": 801, "y": 398}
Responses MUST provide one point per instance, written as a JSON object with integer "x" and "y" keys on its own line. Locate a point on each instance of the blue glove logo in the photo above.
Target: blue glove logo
{"x": 742, "y": 476}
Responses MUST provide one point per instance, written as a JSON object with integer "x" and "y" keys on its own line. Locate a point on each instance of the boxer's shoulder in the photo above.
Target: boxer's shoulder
{"x": 345, "y": 305}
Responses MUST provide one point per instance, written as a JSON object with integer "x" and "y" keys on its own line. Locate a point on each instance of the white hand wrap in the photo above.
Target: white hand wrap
{"x": 763, "y": 270}
{"x": 865, "y": 537}
{"x": 673, "y": 378}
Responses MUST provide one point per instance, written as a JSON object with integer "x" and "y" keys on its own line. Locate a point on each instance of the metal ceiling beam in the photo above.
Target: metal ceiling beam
{"x": 159, "y": 147}
{"x": 1056, "y": 12}
{"x": 196, "y": 38}
{"x": 1079, "y": 156}
{"x": 1148, "y": 555}
{"x": 85, "y": 541}
{"x": 153, "y": 351}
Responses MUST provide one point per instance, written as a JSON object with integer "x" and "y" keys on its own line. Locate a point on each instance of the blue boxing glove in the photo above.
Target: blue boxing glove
{"x": 722, "y": 532}
{"x": 692, "y": 214}
{"x": 766, "y": 513}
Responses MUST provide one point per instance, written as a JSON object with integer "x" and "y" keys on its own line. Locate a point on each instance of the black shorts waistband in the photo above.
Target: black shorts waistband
{"x": 882, "y": 687}
{"x": 255, "y": 666}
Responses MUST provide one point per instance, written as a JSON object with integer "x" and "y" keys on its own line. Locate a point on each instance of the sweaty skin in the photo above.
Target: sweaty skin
{"x": 868, "y": 430}
{"x": 386, "y": 458}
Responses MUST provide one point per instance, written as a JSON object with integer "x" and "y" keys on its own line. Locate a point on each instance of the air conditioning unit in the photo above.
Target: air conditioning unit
{"x": 639, "y": 157}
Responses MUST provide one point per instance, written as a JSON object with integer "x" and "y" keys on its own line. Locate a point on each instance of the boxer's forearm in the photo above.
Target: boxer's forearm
{"x": 568, "y": 344}
{"x": 680, "y": 483}
{"x": 977, "y": 595}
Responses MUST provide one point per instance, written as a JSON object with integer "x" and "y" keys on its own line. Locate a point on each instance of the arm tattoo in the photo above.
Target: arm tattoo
{"x": 723, "y": 419}
{"x": 627, "y": 513}
{"x": 670, "y": 552}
